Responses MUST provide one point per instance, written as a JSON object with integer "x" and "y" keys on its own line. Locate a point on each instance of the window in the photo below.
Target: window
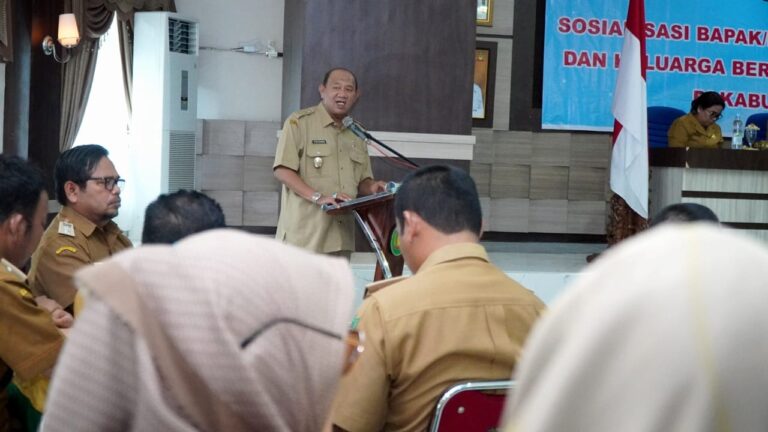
{"x": 106, "y": 117}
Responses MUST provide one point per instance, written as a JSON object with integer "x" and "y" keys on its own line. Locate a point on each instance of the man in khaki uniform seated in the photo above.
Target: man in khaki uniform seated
{"x": 457, "y": 318}
{"x": 319, "y": 161}
{"x": 29, "y": 340}
{"x": 88, "y": 188}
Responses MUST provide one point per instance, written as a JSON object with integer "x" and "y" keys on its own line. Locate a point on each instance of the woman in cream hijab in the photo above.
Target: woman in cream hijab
{"x": 223, "y": 331}
{"x": 666, "y": 332}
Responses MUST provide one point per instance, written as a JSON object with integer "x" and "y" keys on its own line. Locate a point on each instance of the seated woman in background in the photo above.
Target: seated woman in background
{"x": 222, "y": 331}
{"x": 698, "y": 128}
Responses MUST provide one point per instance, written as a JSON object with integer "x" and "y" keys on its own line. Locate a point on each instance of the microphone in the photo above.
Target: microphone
{"x": 364, "y": 135}
{"x": 356, "y": 129}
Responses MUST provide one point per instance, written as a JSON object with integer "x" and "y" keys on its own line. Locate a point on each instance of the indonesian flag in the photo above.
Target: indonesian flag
{"x": 629, "y": 159}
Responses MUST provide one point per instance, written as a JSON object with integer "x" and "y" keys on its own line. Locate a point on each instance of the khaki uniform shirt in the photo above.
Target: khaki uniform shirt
{"x": 686, "y": 131}
{"x": 29, "y": 340}
{"x": 329, "y": 160}
{"x": 65, "y": 248}
{"x": 459, "y": 318}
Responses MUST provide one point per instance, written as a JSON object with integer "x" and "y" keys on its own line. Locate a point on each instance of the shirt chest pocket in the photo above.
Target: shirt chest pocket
{"x": 358, "y": 162}
{"x": 357, "y": 156}
{"x": 319, "y": 160}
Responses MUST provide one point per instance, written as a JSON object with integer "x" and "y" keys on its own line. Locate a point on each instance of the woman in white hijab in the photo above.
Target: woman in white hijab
{"x": 666, "y": 332}
{"x": 224, "y": 331}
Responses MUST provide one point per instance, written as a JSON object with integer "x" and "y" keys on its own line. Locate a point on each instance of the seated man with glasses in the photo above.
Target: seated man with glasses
{"x": 698, "y": 128}
{"x": 88, "y": 187}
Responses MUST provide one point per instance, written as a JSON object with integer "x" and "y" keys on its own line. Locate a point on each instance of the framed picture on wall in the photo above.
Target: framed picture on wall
{"x": 484, "y": 84}
{"x": 6, "y": 32}
{"x": 485, "y": 12}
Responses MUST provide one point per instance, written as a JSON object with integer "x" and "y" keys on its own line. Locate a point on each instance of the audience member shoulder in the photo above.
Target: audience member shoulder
{"x": 10, "y": 273}
{"x": 374, "y": 287}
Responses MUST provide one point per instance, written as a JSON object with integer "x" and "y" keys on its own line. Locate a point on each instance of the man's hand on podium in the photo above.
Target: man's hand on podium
{"x": 333, "y": 199}
{"x": 341, "y": 196}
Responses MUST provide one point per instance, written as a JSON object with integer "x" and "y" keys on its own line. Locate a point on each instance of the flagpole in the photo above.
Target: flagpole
{"x": 629, "y": 156}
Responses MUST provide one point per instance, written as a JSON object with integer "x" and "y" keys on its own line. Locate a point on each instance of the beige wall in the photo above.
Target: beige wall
{"x": 542, "y": 182}
{"x": 234, "y": 166}
{"x": 234, "y": 85}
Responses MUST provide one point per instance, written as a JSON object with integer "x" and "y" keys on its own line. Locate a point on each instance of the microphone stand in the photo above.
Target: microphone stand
{"x": 398, "y": 154}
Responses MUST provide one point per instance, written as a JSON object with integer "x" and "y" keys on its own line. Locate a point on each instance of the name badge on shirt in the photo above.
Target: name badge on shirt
{"x": 66, "y": 228}
{"x": 319, "y": 141}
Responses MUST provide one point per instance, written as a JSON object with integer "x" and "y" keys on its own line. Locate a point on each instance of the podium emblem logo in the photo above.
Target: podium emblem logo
{"x": 394, "y": 243}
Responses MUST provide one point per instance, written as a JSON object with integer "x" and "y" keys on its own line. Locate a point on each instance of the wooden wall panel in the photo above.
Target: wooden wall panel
{"x": 414, "y": 59}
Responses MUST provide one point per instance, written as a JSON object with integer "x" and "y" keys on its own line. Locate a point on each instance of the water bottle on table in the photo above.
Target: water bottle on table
{"x": 738, "y": 132}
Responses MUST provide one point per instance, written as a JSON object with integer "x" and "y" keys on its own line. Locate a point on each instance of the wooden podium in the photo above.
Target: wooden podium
{"x": 376, "y": 216}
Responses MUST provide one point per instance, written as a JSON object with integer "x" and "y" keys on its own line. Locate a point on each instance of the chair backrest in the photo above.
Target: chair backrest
{"x": 761, "y": 121}
{"x": 471, "y": 406}
{"x": 660, "y": 118}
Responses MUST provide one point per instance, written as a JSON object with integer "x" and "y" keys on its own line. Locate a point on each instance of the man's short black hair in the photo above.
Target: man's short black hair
{"x": 330, "y": 71}
{"x": 174, "y": 216}
{"x": 684, "y": 212}
{"x": 76, "y": 165}
{"x": 444, "y": 196}
{"x": 21, "y": 184}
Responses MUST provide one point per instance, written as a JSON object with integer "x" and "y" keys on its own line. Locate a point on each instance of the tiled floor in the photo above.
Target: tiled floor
{"x": 545, "y": 268}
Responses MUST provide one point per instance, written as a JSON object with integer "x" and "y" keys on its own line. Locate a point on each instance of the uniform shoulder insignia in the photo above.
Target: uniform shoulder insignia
{"x": 376, "y": 286}
{"x": 12, "y": 269}
{"x": 62, "y": 249}
{"x": 305, "y": 112}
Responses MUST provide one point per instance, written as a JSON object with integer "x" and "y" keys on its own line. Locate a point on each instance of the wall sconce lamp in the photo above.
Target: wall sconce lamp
{"x": 69, "y": 37}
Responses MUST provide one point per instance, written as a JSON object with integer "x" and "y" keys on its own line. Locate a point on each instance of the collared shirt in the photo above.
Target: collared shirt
{"x": 29, "y": 340}
{"x": 686, "y": 131}
{"x": 70, "y": 242}
{"x": 329, "y": 159}
{"x": 458, "y": 318}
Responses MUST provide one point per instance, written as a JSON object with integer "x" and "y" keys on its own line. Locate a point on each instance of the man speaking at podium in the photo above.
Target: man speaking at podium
{"x": 319, "y": 161}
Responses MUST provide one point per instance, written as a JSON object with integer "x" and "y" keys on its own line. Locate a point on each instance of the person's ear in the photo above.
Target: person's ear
{"x": 321, "y": 88}
{"x": 412, "y": 225}
{"x": 71, "y": 190}
{"x": 16, "y": 227}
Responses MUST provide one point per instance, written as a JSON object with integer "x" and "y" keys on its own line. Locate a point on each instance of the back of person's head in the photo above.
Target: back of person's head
{"x": 666, "y": 332}
{"x": 684, "y": 212}
{"x": 443, "y": 196}
{"x": 76, "y": 165}
{"x": 271, "y": 318}
{"x": 706, "y": 100}
{"x": 20, "y": 187}
{"x": 174, "y": 216}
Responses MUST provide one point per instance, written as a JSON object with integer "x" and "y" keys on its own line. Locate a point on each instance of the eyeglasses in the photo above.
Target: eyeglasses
{"x": 353, "y": 342}
{"x": 714, "y": 115}
{"x": 109, "y": 182}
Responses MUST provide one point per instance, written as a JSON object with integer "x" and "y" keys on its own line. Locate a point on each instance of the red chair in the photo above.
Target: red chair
{"x": 471, "y": 406}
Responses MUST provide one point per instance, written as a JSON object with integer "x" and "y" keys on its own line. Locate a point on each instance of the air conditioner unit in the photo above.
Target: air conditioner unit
{"x": 164, "y": 103}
